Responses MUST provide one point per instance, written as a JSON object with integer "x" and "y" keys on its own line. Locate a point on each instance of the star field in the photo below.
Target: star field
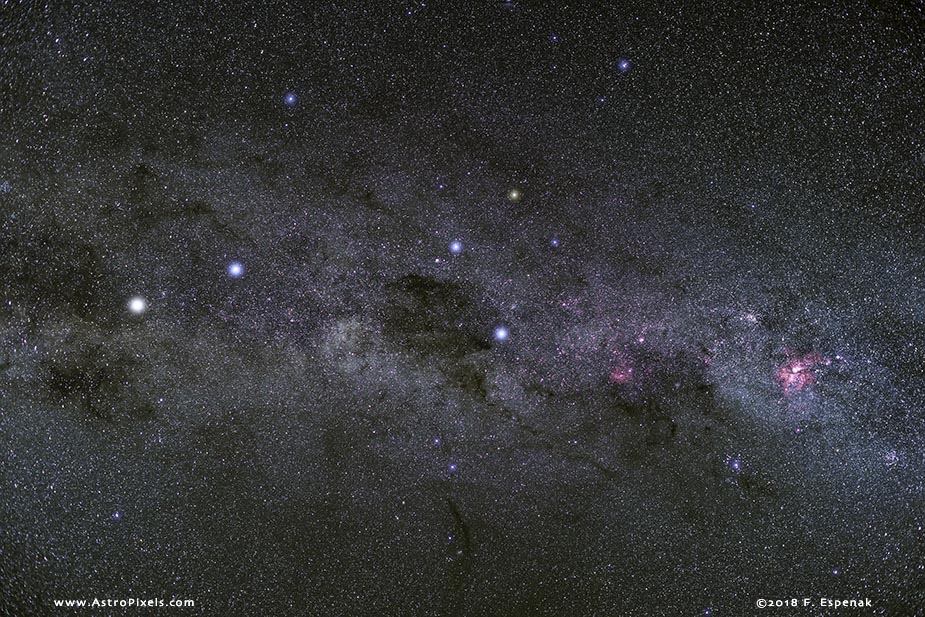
{"x": 496, "y": 308}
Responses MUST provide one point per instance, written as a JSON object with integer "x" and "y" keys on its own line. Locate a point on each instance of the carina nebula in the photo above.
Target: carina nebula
{"x": 474, "y": 308}
{"x": 799, "y": 372}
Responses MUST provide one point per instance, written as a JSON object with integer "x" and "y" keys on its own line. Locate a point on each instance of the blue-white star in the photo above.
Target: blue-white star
{"x": 235, "y": 269}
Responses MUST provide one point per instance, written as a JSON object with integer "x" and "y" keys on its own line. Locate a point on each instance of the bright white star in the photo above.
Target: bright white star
{"x": 137, "y": 305}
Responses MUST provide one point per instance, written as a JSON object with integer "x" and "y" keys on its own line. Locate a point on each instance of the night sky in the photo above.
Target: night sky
{"x": 463, "y": 308}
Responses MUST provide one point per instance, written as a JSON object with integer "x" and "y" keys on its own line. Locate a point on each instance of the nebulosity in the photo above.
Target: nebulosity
{"x": 799, "y": 372}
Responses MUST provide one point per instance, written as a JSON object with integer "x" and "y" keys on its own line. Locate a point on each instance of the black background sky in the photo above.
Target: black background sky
{"x": 542, "y": 309}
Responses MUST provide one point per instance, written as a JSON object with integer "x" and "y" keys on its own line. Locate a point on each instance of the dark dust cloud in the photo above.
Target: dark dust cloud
{"x": 470, "y": 308}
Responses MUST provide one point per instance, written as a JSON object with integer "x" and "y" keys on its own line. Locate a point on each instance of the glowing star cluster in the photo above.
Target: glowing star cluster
{"x": 799, "y": 372}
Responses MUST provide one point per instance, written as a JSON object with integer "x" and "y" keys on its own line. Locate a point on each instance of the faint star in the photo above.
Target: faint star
{"x": 623, "y": 65}
{"x": 514, "y": 195}
{"x": 554, "y": 242}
